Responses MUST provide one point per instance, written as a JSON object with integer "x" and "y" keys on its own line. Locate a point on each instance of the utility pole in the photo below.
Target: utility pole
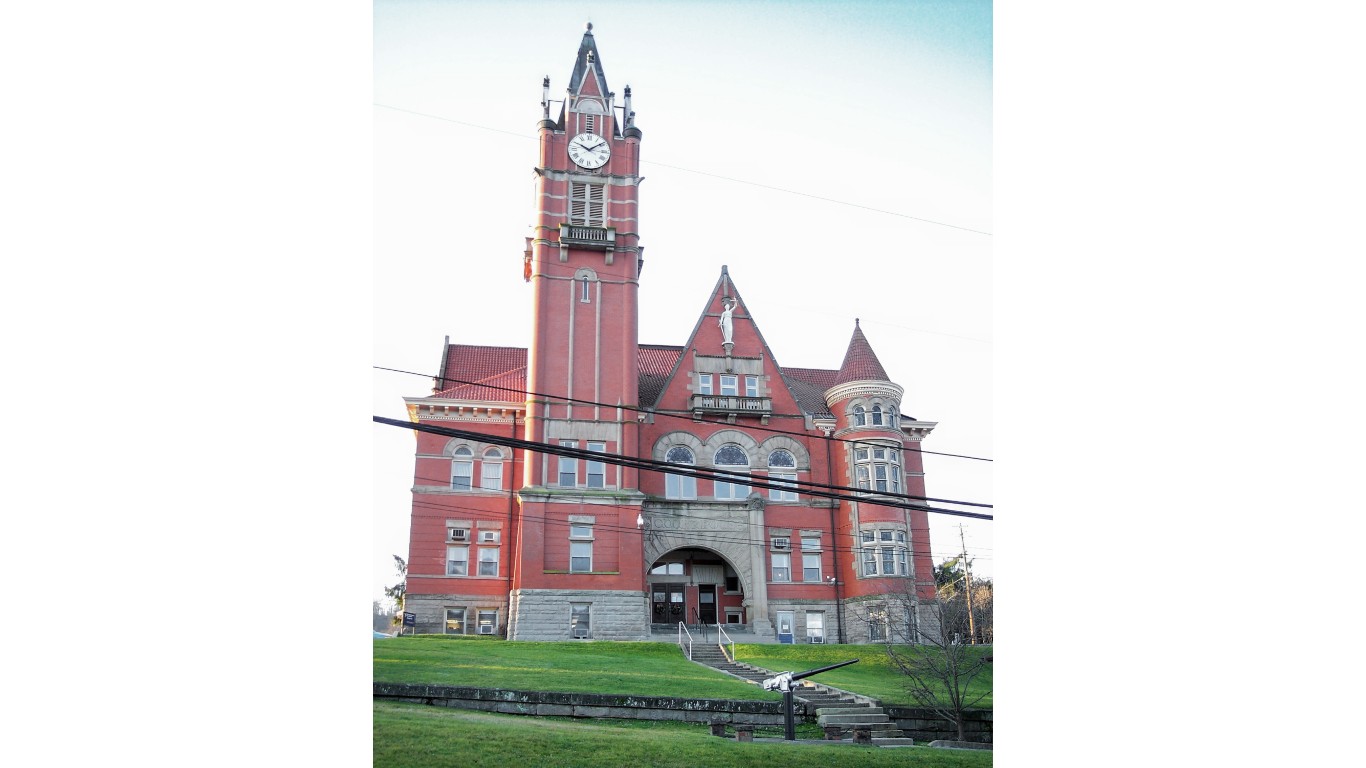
{"x": 972, "y": 633}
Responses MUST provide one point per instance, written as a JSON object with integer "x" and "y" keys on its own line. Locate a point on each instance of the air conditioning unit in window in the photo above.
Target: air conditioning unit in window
{"x": 485, "y": 629}
{"x": 815, "y": 639}
{"x": 488, "y": 536}
{"x": 458, "y": 534}
{"x": 782, "y": 544}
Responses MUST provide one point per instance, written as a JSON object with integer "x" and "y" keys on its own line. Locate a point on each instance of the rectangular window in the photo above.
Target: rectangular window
{"x": 782, "y": 567}
{"x": 491, "y": 476}
{"x": 580, "y": 556}
{"x": 725, "y": 490}
{"x": 880, "y": 477}
{"x": 888, "y": 555}
{"x": 455, "y": 621}
{"x": 597, "y": 471}
{"x": 488, "y": 621}
{"x": 815, "y": 627}
{"x": 869, "y": 561}
{"x": 901, "y": 562}
{"x": 579, "y": 627}
{"x": 729, "y": 385}
{"x": 462, "y": 472}
{"x": 704, "y": 384}
{"x": 580, "y": 531}
{"x": 811, "y": 567}
{"x": 751, "y": 386}
{"x": 861, "y": 476}
{"x": 587, "y": 204}
{"x": 877, "y": 627}
{"x": 488, "y": 561}
{"x": 680, "y": 487}
{"x": 569, "y": 467}
{"x": 457, "y": 561}
{"x": 811, "y": 543}
{"x": 884, "y": 535}
{"x": 788, "y": 492}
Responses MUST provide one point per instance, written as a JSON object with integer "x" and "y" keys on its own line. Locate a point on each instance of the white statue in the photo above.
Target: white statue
{"x": 726, "y": 326}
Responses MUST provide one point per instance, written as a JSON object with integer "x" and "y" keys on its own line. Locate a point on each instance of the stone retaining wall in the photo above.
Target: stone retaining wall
{"x": 586, "y": 704}
{"x": 925, "y": 725}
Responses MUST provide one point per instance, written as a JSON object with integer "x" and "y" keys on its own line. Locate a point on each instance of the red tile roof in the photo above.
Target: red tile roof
{"x": 808, "y": 386}
{"x": 860, "y": 363}
{"x": 657, "y": 361}
{"x": 477, "y": 372}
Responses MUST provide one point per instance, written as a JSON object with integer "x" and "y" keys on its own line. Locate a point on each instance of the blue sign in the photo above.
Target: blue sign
{"x": 409, "y": 619}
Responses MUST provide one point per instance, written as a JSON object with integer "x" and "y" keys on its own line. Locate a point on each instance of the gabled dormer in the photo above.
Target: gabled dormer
{"x": 726, "y": 368}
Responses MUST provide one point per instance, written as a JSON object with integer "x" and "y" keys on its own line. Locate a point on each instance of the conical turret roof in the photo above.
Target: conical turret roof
{"x": 860, "y": 362}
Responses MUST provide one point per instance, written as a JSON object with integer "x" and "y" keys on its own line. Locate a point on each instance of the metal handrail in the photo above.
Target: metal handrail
{"x": 697, "y": 619}
{"x": 722, "y": 639}
{"x": 682, "y": 630}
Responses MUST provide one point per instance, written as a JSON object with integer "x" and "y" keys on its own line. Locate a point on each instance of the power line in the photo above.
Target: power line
{"x": 812, "y": 489}
{"x": 706, "y": 173}
{"x": 672, "y": 414}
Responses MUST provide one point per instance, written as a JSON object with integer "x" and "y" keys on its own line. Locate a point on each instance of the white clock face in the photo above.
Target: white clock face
{"x": 589, "y": 150}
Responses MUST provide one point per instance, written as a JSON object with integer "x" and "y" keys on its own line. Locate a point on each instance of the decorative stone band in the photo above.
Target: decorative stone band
{"x": 864, "y": 388}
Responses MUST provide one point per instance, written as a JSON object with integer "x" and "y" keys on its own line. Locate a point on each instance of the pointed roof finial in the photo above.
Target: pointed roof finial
{"x": 589, "y": 31}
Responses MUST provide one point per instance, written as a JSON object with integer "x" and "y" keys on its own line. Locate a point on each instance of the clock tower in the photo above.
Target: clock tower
{"x": 583, "y": 262}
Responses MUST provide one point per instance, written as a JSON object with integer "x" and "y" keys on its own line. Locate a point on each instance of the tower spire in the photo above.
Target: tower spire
{"x": 860, "y": 361}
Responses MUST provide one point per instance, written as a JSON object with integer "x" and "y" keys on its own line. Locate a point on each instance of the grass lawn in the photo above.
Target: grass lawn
{"x": 432, "y": 737}
{"x": 642, "y": 669}
{"x": 872, "y": 676}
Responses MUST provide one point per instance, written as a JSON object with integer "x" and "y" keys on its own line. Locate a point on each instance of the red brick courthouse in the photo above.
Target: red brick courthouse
{"x": 543, "y": 546}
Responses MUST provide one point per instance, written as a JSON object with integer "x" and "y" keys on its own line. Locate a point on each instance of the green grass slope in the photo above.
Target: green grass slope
{"x": 416, "y": 736}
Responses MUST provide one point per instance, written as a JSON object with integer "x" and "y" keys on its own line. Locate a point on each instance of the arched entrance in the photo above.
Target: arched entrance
{"x": 695, "y": 585}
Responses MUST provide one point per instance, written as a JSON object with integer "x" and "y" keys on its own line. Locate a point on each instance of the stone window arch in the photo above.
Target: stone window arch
{"x": 462, "y": 468}
{"x": 585, "y": 282}
{"x": 491, "y": 470}
{"x": 730, "y": 457}
{"x": 859, "y": 419}
{"x": 782, "y": 470}
{"x": 680, "y": 486}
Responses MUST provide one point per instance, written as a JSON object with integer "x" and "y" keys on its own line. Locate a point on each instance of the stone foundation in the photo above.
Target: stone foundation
{"x": 430, "y": 611}
{"x": 544, "y": 614}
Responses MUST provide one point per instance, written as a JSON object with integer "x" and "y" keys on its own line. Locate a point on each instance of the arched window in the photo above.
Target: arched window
{"x": 729, "y": 457}
{"x": 491, "y": 473}
{"x": 680, "y": 486}
{"x": 859, "y": 419}
{"x": 891, "y": 416}
{"x": 585, "y": 296}
{"x": 781, "y": 466}
{"x": 462, "y": 469}
{"x": 877, "y": 415}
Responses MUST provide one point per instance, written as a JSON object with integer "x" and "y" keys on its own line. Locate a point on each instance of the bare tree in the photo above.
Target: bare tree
{"x": 927, "y": 641}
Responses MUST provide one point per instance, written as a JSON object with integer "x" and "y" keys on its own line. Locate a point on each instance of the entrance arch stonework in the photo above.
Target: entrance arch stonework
{"x": 735, "y": 531}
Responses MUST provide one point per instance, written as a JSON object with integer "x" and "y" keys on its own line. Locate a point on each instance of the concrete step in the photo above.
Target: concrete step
{"x": 853, "y": 710}
{"x": 852, "y": 719}
{"x": 895, "y": 741}
{"x": 847, "y": 725}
